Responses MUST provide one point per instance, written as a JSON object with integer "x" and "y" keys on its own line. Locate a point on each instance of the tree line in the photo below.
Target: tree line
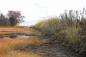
{"x": 11, "y": 19}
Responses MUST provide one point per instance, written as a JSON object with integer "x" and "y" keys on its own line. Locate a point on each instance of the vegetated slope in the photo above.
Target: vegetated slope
{"x": 71, "y": 34}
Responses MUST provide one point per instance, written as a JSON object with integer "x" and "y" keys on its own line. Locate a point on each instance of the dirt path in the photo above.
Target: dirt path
{"x": 54, "y": 50}
{"x": 49, "y": 50}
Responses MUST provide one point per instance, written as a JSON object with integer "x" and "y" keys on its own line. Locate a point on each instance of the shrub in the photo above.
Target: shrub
{"x": 49, "y": 27}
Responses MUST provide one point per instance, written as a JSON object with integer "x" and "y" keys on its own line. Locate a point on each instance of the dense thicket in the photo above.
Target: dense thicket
{"x": 69, "y": 30}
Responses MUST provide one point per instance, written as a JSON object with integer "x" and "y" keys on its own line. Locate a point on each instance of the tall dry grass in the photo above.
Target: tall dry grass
{"x": 71, "y": 35}
{"x": 8, "y": 46}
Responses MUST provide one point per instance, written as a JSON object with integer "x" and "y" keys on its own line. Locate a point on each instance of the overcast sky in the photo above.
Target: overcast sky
{"x": 36, "y": 10}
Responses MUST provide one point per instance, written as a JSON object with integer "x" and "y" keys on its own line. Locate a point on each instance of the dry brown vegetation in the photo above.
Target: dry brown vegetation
{"x": 8, "y": 46}
{"x": 24, "y": 30}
